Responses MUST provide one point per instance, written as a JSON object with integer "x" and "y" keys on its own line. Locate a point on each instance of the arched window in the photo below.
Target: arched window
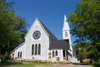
{"x": 36, "y": 49}
{"x": 20, "y": 54}
{"x": 39, "y": 49}
{"x": 33, "y": 49}
{"x": 56, "y": 53}
{"x": 66, "y": 34}
{"x": 52, "y": 53}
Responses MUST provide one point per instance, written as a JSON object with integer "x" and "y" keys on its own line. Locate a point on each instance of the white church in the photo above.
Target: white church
{"x": 41, "y": 44}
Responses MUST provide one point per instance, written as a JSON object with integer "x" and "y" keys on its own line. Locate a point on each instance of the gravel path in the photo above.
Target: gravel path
{"x": 54, "y": 65}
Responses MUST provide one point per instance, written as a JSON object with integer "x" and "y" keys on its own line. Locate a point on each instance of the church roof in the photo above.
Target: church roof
{"x": 18, "y": 47}
{"x": 48, "y": 31}
{"x": 59, "y": 44}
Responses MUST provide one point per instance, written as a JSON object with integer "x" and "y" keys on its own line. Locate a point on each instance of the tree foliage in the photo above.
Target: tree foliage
{"x": 81, "y": 55}
{"x": 86, "y": 24}
{"x": 12, "y": 28}
{"x": 81, "y": 50}
{"x": 84, "y": 45}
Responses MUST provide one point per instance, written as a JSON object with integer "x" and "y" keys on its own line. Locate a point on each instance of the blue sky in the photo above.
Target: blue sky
{"x": 50, "y": 13}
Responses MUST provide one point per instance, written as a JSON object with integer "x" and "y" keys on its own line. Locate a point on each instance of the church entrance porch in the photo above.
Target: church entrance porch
{"x": 65, "y": 57}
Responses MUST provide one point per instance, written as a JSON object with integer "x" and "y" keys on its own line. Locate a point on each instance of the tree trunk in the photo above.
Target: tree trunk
{"x": 7, "y": 52}
{"x": 92, "y": 62}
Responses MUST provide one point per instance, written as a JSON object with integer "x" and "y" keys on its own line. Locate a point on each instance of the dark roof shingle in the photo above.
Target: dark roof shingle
{"x": 50, "y": 34}
{"x": 59, "y": 44}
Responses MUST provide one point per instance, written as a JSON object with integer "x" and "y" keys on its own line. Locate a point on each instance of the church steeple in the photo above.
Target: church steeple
{"x": 66, "y": 29}
{"x": 66, "y": 33}
{"x": 65, "y": 26}
{"x": 65, "y": 18}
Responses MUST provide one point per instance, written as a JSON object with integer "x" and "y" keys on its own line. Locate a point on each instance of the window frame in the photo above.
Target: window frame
{"x": 56, "y": 52}
{"x": 39, "y": 49}
{"x": 32, "y": 49}
{"x": 66, "y": 34}
{"x": 35, "y": 49}
{"x": 53, "y": 54}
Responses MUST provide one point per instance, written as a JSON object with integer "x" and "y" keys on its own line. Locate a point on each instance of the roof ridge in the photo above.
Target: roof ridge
{"x": 49, "y": 32}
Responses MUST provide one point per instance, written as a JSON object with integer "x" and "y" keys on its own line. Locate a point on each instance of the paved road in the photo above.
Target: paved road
{"x": 54, "y": 65}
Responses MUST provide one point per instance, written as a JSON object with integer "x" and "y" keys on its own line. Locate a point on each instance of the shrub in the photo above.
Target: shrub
{"x": 2, "y": 57}
{"x": 39, "y": 61}
{"x": 46, "y": 61}
{"x": 87, "y": 61}
{"x": 54, "y": 61}
{"x": 60, "y": 61}
{"x": 15, "y": 57}
{"x": 50, "y": 62}
{"x": 33, "y": 58}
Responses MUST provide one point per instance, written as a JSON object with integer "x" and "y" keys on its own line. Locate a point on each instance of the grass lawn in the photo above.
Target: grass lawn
{"x": 94, "y": 65}
{"x": 90, "y": 66}
{"x": 24, "y": 63}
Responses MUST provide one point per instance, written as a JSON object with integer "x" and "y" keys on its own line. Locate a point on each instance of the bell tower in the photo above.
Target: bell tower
{"x": 66, "y": 31}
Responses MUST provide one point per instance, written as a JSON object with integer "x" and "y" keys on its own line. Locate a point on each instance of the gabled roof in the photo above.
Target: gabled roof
{"x": 45, "y": 28}
{"x": 18, "y": 47}
{"x": 59, "y": 44}
{"x": 48, "y": 31}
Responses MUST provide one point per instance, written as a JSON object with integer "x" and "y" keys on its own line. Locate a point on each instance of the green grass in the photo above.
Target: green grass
{"x": 26, "y": 63}
{"x": 94, "y": 65}
{"x": 90, "y": 66}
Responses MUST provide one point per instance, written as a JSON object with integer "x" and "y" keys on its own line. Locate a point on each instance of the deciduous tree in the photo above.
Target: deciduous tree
{"x": 12, "y": 28}
{"x": 81, "y": 50}
{"x": 86, "y": 24}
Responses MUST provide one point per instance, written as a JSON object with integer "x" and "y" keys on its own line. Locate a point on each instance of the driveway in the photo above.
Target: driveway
{"x": 54, "y": 65}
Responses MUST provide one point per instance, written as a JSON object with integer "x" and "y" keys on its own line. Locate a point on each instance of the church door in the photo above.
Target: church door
{"x": 12, "y": 57}
{"x": 65, "y": 57}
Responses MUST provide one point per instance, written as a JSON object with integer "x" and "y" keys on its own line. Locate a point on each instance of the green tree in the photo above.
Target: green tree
{"x": 86, "y": 24}
{"x": 81, "y": 50}
{"x": 12, "y": 28}
{"x": 81, "y": 55}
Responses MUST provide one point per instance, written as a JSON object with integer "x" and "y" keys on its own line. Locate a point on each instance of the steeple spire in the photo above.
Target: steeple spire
{"x": 65, "y": 26}
{"x": 65, "y": 19}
